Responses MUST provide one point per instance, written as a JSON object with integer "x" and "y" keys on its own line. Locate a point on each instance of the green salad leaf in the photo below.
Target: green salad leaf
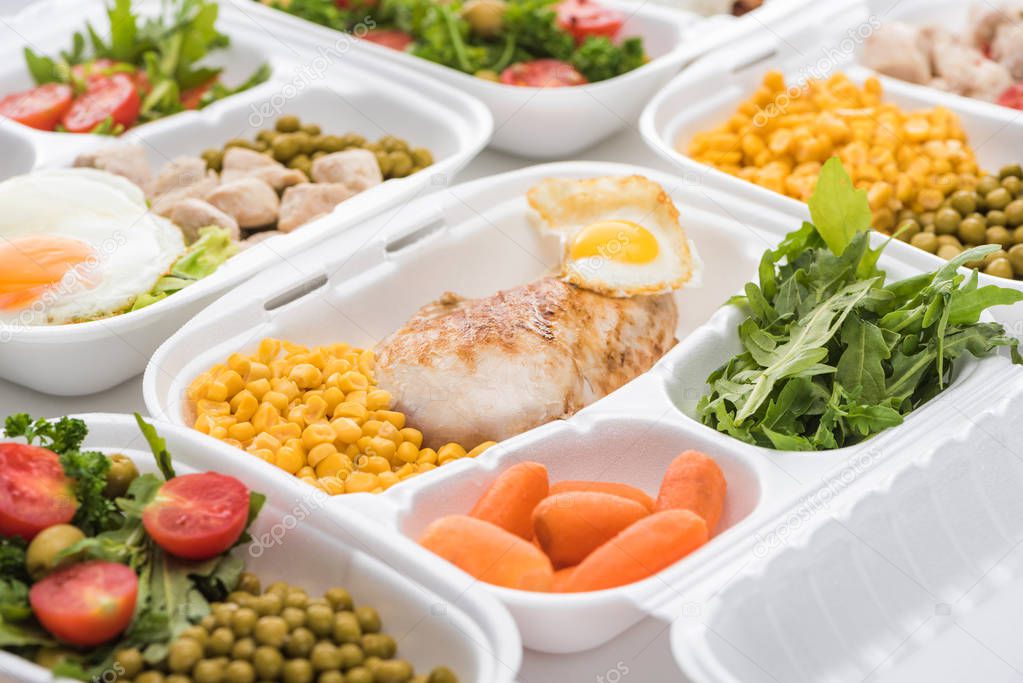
{"x": 831, "y": 354}
{"x": 200, "y": 260}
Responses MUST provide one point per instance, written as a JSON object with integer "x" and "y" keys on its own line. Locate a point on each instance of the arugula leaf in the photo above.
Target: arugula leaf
{"x": 14, "y": 600}
{"x": 42, "y": 68}
{"x": 158, "y": 446}
{"x": 838, "y": 210}
{"x": 123, "y": 32}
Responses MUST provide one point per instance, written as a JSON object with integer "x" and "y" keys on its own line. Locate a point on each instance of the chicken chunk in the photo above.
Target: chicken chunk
{"x": 246, "y": 163}
{"x": 164, "y": 203}
{"x": 179, "y": 173}
{"x": 305, "y": 202}
{"x": 472, "y": 370}
{"x": 356, "y": 168}
{"x": 968, "y": 72}
{"x": 126, "y": 160}
{"x": 985, "y": 16}
{"x": 250, "y": 201}
{"x": 895, "y": 49}
{"x": 192, "y": 214}
{"x": 1007, "y": 48}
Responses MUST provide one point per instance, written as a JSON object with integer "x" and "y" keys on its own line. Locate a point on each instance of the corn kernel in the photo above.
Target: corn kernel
{"x": 388, "y": 479}
{"x": 413, "y": 436}
{"x": 427, "y": 456}
{"x": 374, "y": 464}
{"x": 319, "y": 453}
{"x": 361, "y": 482}
{"x": 355, "y": 411}
{"x": 382, "y": 447}
{"x": 242, "y": 431}
{"x": 289, "y": 459}
{"x": 480, "y": 449}
{"x": 407, "y": 452}
{"x": 329, "y": 466}
{"x": 353, "y": 381}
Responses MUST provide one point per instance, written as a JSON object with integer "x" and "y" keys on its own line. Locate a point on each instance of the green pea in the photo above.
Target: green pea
{"x": 949, "y": 239}
{"x": 288, "y": 124}
{"x": 208, "y": 671}
{"x": 946, "y": 221}
{"x": 243, "y": 649}
{"x": 154, "y": 677}
{"x": 1016, "y": 259}
{"x": 949, "y": 251}
{"x": 293, "y": 616}
{"x": 244, "y": 621}
{"x": 1017, "y": 235}
{"x": 239, "y": 672}
{"x": 222, "y": 613}
{"x": 285, "y": 148}
{"x": 906, "y": 229}
{"x": 265, "y": 135}
{"x": 926, "y": 241}
{"x": 1014, "y": 213}
{"x": 359, "y": 674}
{"x": 130, "y": 660}
{"x": 1010, "y": 170}
{"x": 267, "y": 662}
{"x": 972, "y": 231}
{"x": 339, "y": 598}
{"x": 325, "y": 656}
{"x": 241, "y": 598}
{"x": 421, "y": 678}
{"x": 331, "y": 677}
{"x": 331, "y": 143}
{"x": 350, "y": 655}
{"x": 372, "y": 663}
{"x": 311, "y": 129}
{"x": 1014, "y": 185}
{"x": 926, "y": 218}
{"x": 369, "y": 619}
{"x": 998, "y": 235}
{"x": 320, "y": 619}
{"x": 996, "y": 217}
{"x": 183, "y": 654}
{"x": 379, "y": 645}
{"x": 987, "y": 184}
{"x": 239, "y": 142}
{"x": 401, "y": 164}
{"x": 173, "y": 678}
{"x": 220, "y": 642}
{"x": 269, "y": 604}
{"x": 963, "y": 201}
{"x": 422, "y": 156}
{"x": 999, "y": 268}
{"x": 271, "y": 631}
{"x": 346, "y": 628}
{"x": 393, "y": 671}
{"x": 384, "y": 161}
{"x": 442, "y": 674}
{"x": 297, "y": 671}
{"x": 998, "y": 199}
{"x": 300, "y": 642}
{"x": 208, "y": 623}
{"x": 297, "y": 598}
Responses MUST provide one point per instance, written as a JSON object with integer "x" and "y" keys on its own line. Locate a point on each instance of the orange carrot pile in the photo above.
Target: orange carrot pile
{"x": 575, "y": 536}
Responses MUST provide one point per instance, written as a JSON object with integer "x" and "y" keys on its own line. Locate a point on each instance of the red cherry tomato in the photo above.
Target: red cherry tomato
{"x": 392, "y": 38}
{"x": 191, "y": 98}
{"x": 585, "y": 18}
{"x": 34, "y": 491}
{"x": 114, "y": 97}
{"x": 542, "y": 73}
{"x": 41, "y": 107}
{"x": 198, "y": 516}
{"x": 86, "y": 604}
{"x": 1013, "y": 97}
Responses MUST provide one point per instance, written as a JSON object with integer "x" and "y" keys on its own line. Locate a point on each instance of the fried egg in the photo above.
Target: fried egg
{"x": 621, "y": 235}
{"x": 78, "y": 244}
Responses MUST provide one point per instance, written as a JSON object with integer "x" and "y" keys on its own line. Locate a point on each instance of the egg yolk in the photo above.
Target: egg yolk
{"x": 615, "y": 240}
{"x": 31, "y": 264}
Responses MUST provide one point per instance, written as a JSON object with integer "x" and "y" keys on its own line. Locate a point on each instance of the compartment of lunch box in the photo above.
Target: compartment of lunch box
{"x": 434, "y": 622}
{"x": 18, "y": 153}
{"x": 872, "y": 590}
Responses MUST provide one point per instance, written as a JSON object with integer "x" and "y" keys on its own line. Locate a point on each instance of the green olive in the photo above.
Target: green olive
{"x": 243, "y": 649}
{"x": 350, "y": 655}
{"x": 272, "y": 631}
{"x": 269, "y": 604}
{"x": 485, "y": 17}
{"x": 287, "y": 124}
{"x": 41, "y": 556}
{"x": 369, "y": 619}
{"x": 320, "y": 620}
{"x": 379, "y": 645}
{"x": 1010, "y": 170}
{"x": 1016, "y": 259}
{"x": 926, "y": 241}
{"x": 963, "y": 201}
{"x": 300, "y": 642}
{"x": 946, "y": 221}
{"x": 130, "y": 661}
{"x": 268, "y": 662}
{"x": 183, "y": 654}
{"x": 999, "y": 268}
{"x": 214, "y": 159}
{"x": 154, "y": 677}
{"x": 998, "y": 235}
{"x": 293, "y": 617}
{"x": 325, "y": 656}
{"x": 346, "y": 628}
{"x": 208, "y": 671}
{"x": 442, "y": 674}
{"x": 998, "y": 199}
{"x": 49, "y": 657}
{"x": 359, "y": 674}
{"x": 297, "y": 671}
{"x": 393, "y": 671}
{"x": 949, "y": 251}
{"x": 244, "y": 621}
{"x": 339, "y": 598}
{"x": 220, "y": 642}
{"x": 987, "y": 184}
{"x": 239, "y": 672}
{"x": 401, "y": 164}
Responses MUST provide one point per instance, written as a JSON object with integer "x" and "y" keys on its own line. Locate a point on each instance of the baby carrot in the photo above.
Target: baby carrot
{"x": 573, "y": 524}
{"x": 489, "y": 553}
{"x": 614, "y": 488}
{"x": 510, "y": 500}
{"x": 694, "y": 482}
{"x": 642, "y": 550}
{"x": 561, "y": 579}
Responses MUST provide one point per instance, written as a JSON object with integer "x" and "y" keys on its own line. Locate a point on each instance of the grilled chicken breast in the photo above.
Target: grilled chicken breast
{"x": 473, "y": 370}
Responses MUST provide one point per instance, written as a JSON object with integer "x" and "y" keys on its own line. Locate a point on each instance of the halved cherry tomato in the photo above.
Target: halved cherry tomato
{"x": 114, "y": 97}
{"x": 198, "y": 516}
{"x": 86, "y": 604}
{"x": 542, "y": 73}
{"x": 104, "y": 68}
{"x": 41, "y": 107}
{"x": 585, "y": 18}
{"x": 389, "y": 37}
{"x": 1013, "y": 97}
{"x": 34, "y": 491}
{"x": 191, "y": 98}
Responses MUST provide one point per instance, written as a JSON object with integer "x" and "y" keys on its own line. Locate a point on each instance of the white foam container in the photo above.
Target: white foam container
{"x": 709, "y": 91}
{"x": 552, "y": 123}
{"x": 349, "y": 93}
{"x": 475, "y": 239}
{"x": 435, "y": 620}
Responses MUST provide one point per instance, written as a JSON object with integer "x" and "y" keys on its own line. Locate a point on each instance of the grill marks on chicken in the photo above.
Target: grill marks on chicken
{"x": 471, "y": 370}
